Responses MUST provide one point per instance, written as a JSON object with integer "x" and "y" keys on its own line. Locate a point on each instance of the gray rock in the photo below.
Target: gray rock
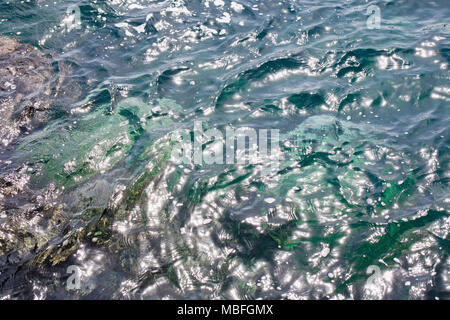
{"x": 29, "y": 219}
{"x": 27, "y": 86}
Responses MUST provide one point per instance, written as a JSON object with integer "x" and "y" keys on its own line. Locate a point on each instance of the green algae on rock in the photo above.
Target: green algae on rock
{"x": 66, "y": 155}
{"x": 71, "y": 153}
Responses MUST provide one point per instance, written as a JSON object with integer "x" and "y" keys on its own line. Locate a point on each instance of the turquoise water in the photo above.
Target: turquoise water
{"x": 358, "y": 208}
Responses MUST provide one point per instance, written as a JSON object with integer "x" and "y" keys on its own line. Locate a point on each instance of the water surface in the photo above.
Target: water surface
{"x": 363, "y": 184}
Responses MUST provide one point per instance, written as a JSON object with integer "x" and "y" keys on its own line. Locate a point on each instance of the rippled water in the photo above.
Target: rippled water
{"x": 90, "y": 189}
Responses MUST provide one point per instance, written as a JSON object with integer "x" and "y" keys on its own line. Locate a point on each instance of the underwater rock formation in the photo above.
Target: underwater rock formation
{"x": 28, "y": 84}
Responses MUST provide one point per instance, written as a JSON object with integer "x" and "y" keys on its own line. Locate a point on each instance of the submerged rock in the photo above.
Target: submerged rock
{"x": 70, "y": 154}
{"x": 42, "y": 202}
{"x": 27, "y": 85}
{"x": 32, "y": 220}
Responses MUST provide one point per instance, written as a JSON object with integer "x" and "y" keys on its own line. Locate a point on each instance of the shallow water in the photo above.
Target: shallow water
{"x": 93, "y": 206}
